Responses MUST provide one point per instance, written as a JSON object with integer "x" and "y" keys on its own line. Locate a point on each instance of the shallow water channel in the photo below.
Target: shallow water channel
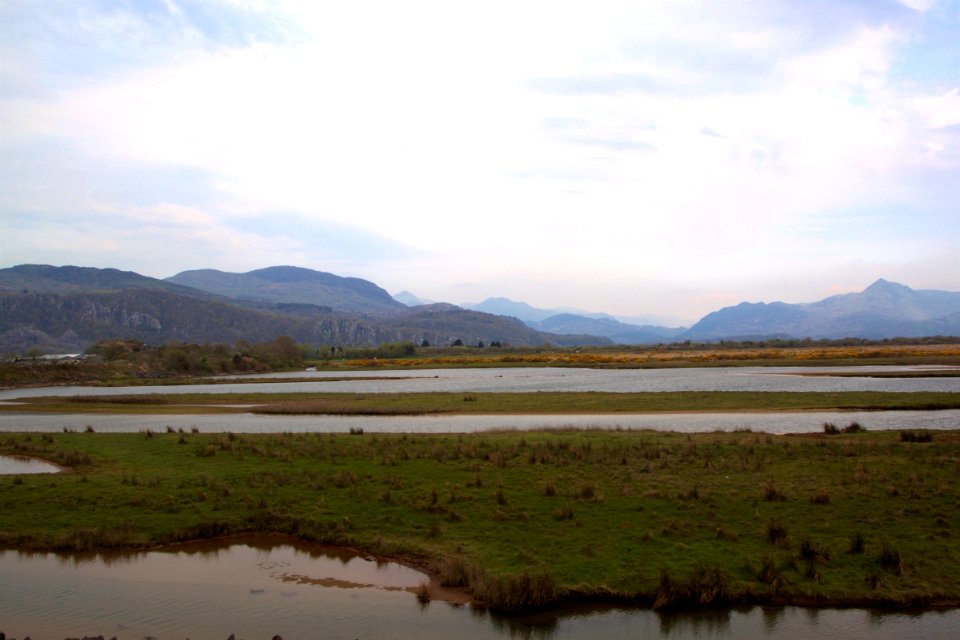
{"x": 497, "y": 380}
{"x": 256, "y": 587}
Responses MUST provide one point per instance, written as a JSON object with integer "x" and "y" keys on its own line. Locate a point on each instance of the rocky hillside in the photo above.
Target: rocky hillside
{"x": 47, "y": 315}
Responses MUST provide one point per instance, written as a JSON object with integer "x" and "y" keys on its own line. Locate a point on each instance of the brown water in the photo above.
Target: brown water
{"x": 260, "y": 586}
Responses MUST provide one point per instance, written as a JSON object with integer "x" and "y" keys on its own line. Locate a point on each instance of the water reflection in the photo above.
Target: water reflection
{"x": 252, "y": 587}
{"x": 707, "y": 623}
{"x": 548, "y": 379}
{"x": 18, "y": 465}
{"x": 768, "y": 422}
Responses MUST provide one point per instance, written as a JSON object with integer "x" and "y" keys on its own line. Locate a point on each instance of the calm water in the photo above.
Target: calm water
{"x": 798, "y": 422}
{"x": 261, "y": 587}
{"x": 17, "y": 465}
{"x": 529, "y": 380}
{"x": 548, "y": 379}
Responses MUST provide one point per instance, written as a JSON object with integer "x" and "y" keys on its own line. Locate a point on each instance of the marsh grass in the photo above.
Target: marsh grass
{"x": 512, "y": 403}
{"x": 678, "y": 519}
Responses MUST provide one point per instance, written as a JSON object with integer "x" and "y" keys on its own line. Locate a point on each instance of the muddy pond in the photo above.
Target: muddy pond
{"x": 256, "y": 587}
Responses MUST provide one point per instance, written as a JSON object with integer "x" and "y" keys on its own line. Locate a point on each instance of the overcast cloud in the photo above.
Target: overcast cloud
{"x": 634, "y": 157}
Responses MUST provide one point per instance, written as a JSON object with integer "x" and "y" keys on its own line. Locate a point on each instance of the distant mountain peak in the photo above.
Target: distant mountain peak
{"x": 885, "y": 309}
{"x": 409, "y": 299}
{"x": 885, "y": 286}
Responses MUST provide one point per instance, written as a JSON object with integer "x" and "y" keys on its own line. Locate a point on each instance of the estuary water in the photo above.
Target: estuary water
{"x": 757, "y": 379}
{"x": 552, "y": 379}
{"x": 768, "y": 422}
{"x": 259, "y": 587}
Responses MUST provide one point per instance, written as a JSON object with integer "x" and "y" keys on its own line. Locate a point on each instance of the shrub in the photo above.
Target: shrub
{"x": 856, "y": 544}
{"x": 514, "y": 592}
{"x": 423, "y": 593}
{"x": 770, "y": 574}
{"x": 565, "y": 512}
{"x": 916, "y": 436}
{"x": 890, "y": 559}
{"x": 776, "y": 532}
{"x": 822, "y": 496}
{"x": 588, "y": 492}
{"x": 854, "y": 427}
{"x": 344, "y": 479}
{"x": 550, "y": 489}
{"x": 708, "y": 586}
{"x": 772, "y": 494}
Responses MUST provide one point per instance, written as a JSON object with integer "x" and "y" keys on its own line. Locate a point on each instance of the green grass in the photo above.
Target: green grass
{"x": 489, "y": 403}
{"x": 526, "y": 519}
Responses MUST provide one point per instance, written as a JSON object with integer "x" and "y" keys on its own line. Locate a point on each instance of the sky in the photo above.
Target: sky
{"x": 647, "y": 159}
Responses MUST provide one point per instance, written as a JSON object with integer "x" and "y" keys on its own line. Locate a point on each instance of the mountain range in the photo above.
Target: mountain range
{"x": 65, "y": 309}
{"x": 882, "y": 310}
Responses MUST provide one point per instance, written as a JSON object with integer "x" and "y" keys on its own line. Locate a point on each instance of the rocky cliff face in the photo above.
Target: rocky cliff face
{"x": 40, "y": 320}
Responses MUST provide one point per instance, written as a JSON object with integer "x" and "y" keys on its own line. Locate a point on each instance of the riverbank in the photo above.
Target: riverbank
{"x": 522, "y": 520}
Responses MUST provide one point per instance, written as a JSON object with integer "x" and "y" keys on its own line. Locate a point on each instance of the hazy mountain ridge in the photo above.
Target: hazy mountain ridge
{"x": 882, "y": 310}
{"x": 597, "y": 324}
{"x": 618, "y": 332}
{"x": 285, "y": 284}
{"x": 407, "y": 298}
{"x": 46, "y": 307}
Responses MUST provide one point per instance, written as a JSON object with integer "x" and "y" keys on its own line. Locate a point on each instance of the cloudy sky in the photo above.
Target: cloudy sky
{"x": 638, "y": 157}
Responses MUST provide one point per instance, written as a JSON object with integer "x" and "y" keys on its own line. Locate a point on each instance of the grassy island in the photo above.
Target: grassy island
{"x": 528, "y": 519}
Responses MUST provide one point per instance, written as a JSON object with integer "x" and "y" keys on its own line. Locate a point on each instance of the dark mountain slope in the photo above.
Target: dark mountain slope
{"x": 69, "y": 279}
{"x": 74, "y": 321}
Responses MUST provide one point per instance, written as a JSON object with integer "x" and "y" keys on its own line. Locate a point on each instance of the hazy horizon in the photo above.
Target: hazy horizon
{"x": 656, "y": 158}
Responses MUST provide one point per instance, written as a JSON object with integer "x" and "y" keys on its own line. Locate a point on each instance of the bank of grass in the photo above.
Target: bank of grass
{"x": 528, "y": 519}
{"x": 490, "y": 403}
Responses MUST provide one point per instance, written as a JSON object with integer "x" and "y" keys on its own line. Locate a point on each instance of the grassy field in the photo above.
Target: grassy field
{"x": 489, "y": 403}
{"x": 528, "y": 519}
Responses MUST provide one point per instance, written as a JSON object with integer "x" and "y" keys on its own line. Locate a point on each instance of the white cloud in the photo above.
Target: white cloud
{"x": 503, "y": 143}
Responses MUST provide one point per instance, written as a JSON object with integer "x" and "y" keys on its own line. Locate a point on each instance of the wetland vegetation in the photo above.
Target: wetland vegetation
{"x": 522, "y": 520}
{"x": 526, "y": 519}
{"x": 129, "y": 362}
{"x": 386, "y": 404}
